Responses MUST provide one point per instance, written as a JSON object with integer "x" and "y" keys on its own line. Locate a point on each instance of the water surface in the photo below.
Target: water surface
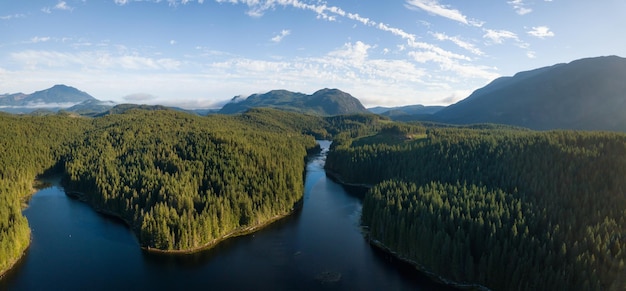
{"x": 318, "y": 248}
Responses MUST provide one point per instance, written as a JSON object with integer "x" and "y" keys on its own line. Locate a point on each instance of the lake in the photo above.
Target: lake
{"x": 320, "y": 247}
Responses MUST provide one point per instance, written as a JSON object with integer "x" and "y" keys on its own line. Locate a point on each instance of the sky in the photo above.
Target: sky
{"x": 202, "y": 53}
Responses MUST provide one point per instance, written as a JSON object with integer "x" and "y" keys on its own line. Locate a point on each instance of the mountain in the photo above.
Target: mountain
{"x": 123, "y": 108}
{"x": 405, "y": 113}
{"x": 91, "y": 107}
{"x": 59, "y": 96}
{"x": 586, "y": 94}
{"x": 323, "y": 102}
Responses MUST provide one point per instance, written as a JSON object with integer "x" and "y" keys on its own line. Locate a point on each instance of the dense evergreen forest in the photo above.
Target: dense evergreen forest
{"x": 500, "y": 207}
{"x": 180, "y": 181}
{"x": 184, "y": 182}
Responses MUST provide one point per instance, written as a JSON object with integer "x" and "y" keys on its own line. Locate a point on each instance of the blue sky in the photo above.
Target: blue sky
{"x": 202, "y": 53}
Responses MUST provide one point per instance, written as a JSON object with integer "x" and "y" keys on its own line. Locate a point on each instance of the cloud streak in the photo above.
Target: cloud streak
{"x": 12, "y": 16}
{"x": 461, "y": 43}
{"x": 98, "y": 60}
{"x": 433, "y": 7}
{"x": 500, "y": 36}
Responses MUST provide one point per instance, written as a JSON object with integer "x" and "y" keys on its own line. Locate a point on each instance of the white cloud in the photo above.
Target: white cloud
{"x": 499, "y": 36}
{"x": 531, "y": 54}
{"x": 356, "y": 53}
{"x": 433, "y": 7}
{"x": 278, "y": 38}
{"x": 38, "y": 39}
{"x": 169, "y": 2}
{"x": 12, "y": 16}
{"x": 62, "y": 5}
{"x": 95, "y": 60}
{"x": 541, "y": 32}
{"x": 520, "y": 7}
{"x": 139, "y": 97}
{"x": 35, "y": 105}
{"x": 461, "y": 43}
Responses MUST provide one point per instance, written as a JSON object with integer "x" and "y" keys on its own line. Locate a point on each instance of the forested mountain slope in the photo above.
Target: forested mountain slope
{"x": 587, "y": 94}
{"x": 507, "y": 209}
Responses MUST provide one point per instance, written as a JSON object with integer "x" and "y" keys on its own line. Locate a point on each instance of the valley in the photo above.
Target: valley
{"x": 518, "y": 187}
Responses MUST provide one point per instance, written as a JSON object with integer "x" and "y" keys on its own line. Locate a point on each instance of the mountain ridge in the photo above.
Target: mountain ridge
{"x": 323, "y": 102}
{"x": 56, "y": 94}
{"x": 585, "y": 94}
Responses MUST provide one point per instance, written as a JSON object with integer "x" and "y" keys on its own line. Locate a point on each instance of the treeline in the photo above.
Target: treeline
{"x": 504, "y": 208}
{"x": 29, "y": 146}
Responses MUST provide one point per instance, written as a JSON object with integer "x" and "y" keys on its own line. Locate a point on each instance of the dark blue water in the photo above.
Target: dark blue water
{"x": 318, "y": 248}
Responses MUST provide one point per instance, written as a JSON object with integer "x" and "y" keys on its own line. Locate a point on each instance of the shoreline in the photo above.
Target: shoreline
{"x": 420, "y": 268}
{"x": 382, "y": 247}
{"x": 37, "y": 185}
{"x": 337, "y": 178}
{"x": 11, "y": 265}
{"x": 234, "y": 233}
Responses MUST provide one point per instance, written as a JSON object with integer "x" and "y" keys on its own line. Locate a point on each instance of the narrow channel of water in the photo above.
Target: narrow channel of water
{"x": 318, "y": 248}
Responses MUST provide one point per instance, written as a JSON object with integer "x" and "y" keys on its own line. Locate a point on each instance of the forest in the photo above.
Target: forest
{"x": 483, "y": 205}
{"x": 181, "y": 182}
{"x": 184, "y": 182}
{"x": 500, "y": 207}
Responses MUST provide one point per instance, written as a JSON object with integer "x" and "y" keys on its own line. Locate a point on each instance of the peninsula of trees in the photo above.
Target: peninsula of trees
{"x": 180, "y": 181}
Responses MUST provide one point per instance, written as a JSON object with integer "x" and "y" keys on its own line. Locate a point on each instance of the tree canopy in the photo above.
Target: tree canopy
{"x": 500, "y": 207}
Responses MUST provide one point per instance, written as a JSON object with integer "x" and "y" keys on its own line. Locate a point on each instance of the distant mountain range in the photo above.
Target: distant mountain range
{"x": 588, "y": 94}
{"x": 322, "y": 102}
{"x": 59, "y": 96}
